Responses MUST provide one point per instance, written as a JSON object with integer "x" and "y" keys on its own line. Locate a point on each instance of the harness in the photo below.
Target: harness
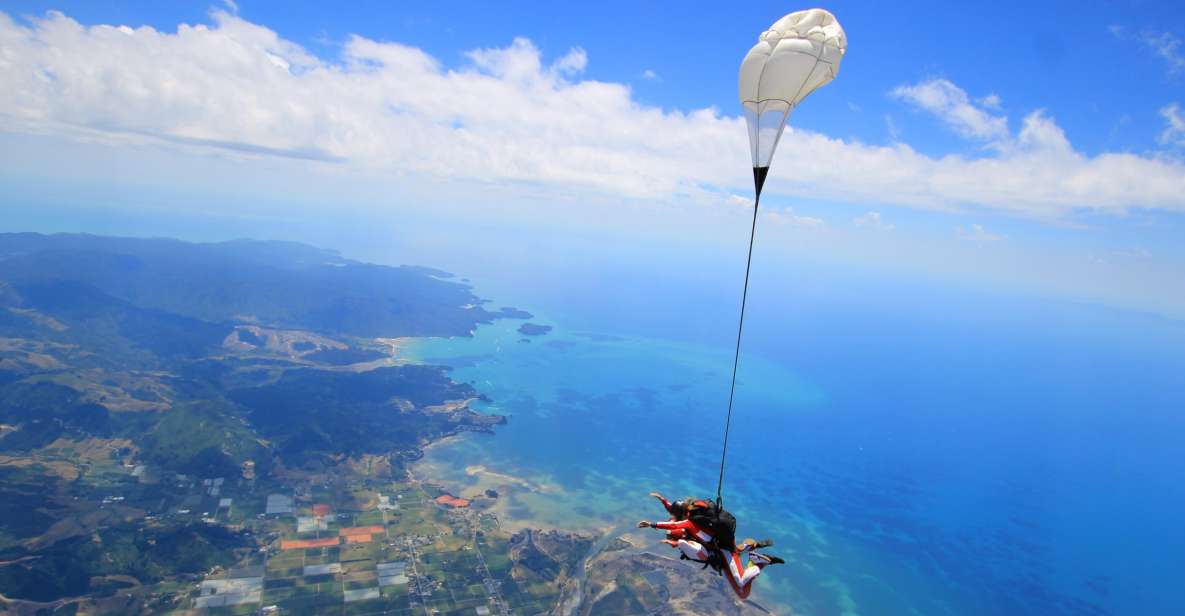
{"x": 715, "y": 559}
{"x": 717, "y": 522}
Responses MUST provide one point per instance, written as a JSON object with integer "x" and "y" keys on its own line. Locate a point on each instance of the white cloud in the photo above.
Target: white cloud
{"x": 1174, "y": 130}
{"x": 952, "y": 105}
{"x": 506, "y": 117}
{"x": 1167, "y": 47}
{"x": 976, "y": 233}
{"x": 991, "y": 101}
{"x": 1164, "y": 45}
{"x": 789, "y": 218}
{"x": 573, "y": 63}
{"x": 650, "y": 75}
{"x": 872, "y": 220}
{"x": 520, "y": 62}
{"x": 738, "y": 200}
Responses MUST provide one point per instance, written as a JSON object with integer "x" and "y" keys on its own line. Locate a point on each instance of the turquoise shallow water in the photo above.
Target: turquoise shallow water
{"x": 904, "y": 463}
{"x": 598, "y": 420}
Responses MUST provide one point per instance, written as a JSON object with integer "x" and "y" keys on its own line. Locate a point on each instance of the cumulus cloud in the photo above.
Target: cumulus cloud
{"x": 991, "y": 101}
{"x": 505, "y": 116}
{"x": 952, "y": 105}
{"x": 573, "y": 63}
{"x": 1174, "y": 130}
{"x": 650, "y": 75}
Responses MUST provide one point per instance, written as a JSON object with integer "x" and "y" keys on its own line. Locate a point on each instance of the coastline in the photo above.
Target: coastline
{"x": 620, "y": 562}
{"x": 530, "y": 500}
{"x": 508, "y": 507}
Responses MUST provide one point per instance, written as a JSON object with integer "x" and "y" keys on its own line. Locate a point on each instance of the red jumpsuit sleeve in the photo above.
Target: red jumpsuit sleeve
{"x": 680, "y": 525}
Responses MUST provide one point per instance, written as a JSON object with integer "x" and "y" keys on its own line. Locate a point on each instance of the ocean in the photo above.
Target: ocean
{"x": 911, "y": 447}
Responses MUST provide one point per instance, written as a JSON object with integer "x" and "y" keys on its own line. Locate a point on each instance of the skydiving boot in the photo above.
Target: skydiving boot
{"x": 752, "y": 544}
{"x": 762, "y": 560}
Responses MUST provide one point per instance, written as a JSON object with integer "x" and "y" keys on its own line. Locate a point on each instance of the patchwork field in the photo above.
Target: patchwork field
{"x": 412, "y": 556}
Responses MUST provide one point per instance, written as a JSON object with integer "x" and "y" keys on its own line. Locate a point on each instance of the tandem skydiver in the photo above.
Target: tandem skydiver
{"x": 705, "y": 533}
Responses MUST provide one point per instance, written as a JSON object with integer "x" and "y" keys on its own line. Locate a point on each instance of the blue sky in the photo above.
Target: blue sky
{"x": 1033, "y": 147}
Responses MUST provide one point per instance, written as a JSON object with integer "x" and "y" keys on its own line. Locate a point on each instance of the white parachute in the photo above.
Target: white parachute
{"x": 797, "y": 55}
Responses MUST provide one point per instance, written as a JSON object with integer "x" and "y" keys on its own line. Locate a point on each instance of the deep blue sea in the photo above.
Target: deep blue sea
{"x": 911, "y": 448}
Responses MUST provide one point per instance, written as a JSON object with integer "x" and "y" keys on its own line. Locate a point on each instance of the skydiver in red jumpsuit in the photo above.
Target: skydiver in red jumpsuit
{"x": 696, "y": 543}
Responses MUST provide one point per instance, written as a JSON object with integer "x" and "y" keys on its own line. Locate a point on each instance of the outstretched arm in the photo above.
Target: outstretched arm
{"x": 681, "y": 525}
{"x": 686, "y": 525}
{"x": 665, "y": 503}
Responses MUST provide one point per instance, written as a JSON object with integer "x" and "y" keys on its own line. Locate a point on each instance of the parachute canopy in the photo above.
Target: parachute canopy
{"x": 797, "y": 55}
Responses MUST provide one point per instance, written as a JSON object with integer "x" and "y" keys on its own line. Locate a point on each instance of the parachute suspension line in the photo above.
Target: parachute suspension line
{"x": 759, "y": 174}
